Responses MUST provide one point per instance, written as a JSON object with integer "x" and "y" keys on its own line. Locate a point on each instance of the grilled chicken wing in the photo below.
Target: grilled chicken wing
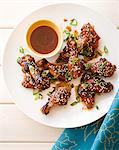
{"x": 89, "y": 36}
{"x": 89, "y": 41}
{"x": 33, "y": 73}
{"x": 103, "y": 68}
{"x": 69, "y": 50}
{"x": 59, "y": 96}
{"x": 90, "y": 85}
{"x": 28, "y": 81}
{"x": 67, "y": 72}
{"x": 25, "y": 61}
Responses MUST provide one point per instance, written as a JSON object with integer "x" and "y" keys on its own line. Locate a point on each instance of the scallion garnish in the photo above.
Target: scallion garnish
{"x": 105, "y": 50}
{"x": 53, "y": 79}
{"x": 75, "y": 102}
{"x": 88, "y": 66}
{"x": 99, "y": 53}
{"x": 67, "y": 35}
{"x": 37, "y": 95}
{"x": 97, "y": 107}
{"x": 86, "y": 85}
{"x": 74, "y": 61}
{"x": 18, "y": 59}
{"x": 45, "y": 73}
{"x": 73, "y": 22}
{"x": 21, "y": 50}
{"x": 68, "y": 77}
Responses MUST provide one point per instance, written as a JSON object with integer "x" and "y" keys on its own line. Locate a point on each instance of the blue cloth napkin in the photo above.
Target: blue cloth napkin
{"x": 102, "y": 134}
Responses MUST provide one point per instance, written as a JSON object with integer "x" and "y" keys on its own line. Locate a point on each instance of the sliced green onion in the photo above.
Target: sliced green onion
{"x": 88, "y": 66}
{"x": 73, "y": 22}
{"x": 35, "y": 91}
{"x": 74, "y": 61}
{"x": 53, "y": 79}
{"x": 37, "y": 95}
{"x": 86, "y": 85}
{"x": 99, "y": 53}
{"x": 21, "y": 50}
{"x": 77, "y": 44}
{"x": 68, "y": 76}
{"x": 105, "y": 50}
{"x": 40, "y": 96}
{"x": 45, "y": 72}
{"x": 68, "y": 35}
{"x": 97, "y": 107}
{"x": 18, "y": 59}
{"x": 32, "y": 69}
{"x": 76, "y": 102}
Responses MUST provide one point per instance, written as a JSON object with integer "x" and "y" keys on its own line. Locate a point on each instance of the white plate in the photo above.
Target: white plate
{"x": 65, "y": 116}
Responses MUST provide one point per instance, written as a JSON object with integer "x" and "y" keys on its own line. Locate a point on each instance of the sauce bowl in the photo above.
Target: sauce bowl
{"x": 55, "y": 27}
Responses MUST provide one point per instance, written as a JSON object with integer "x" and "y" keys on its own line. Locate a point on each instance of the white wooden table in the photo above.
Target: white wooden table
{"x": 17, "y": 131}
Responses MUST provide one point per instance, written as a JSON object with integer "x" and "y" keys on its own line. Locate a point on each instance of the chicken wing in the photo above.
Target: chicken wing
{"x": 103, "y": 68}
{"x": 90, "y": 86}
{"x": 59, "y": 96}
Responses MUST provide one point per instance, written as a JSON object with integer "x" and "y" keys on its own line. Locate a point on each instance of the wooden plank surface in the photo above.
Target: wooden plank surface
{"x": 25, "y": 146}
{"x": 4, "y": 95}
{"x": 15, "y": 126}
{"x": 19, "y": 9}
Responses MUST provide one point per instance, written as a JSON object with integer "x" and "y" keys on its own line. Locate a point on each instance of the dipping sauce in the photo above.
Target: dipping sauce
{"x": 44, "y": 39}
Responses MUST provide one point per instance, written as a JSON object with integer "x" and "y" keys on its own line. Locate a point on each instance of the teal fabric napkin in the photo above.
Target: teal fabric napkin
{"x": 102, "y": 134}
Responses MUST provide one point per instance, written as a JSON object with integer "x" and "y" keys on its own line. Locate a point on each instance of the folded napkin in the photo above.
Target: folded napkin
{"x": 102, "y": 134}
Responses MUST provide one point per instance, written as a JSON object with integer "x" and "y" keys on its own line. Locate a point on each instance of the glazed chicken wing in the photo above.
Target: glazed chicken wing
{"x": 25, "y": 61}
{"x": 67, "y": 72}
{"x": 33, "y": 73}
{"x": 89, "y": 41}
{"x": 90, "y": 85}
{"x": 69, "y": 50}
{"x": 103, "y": 68}
{"x": 59, "y": 96}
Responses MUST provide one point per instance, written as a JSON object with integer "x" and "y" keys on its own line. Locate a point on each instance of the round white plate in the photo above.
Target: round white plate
{"x": 65, "y": 116}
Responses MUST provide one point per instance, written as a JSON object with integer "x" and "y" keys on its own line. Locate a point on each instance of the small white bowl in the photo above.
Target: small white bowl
{"x": 55, "y": 27}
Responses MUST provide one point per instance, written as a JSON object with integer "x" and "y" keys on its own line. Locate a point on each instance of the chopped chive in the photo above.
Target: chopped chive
{"x": 35, "y": 91}
{"x": 105, "y": 50}
{"x": 18, "y": 59}
{"x": 78, "y": 98}
{"x": 45, "y": 73}
{"x": 68, "y": 35}
{"x": 97, "y": 107}
{"x": 74, "y": 61}
{"x": 99, "y": 53}
{"x": 76, "y": 102}
{"x": 73, "y": 22}
{"x": 40, "y": 96}
{"x": 53, "y": 79}
{"x": 37, "y": 95}
{"x": 68, "y": 76}
{"x": 21, "y": 50}
{"x": 86, "y": 85}
{"x": 88, "y": 66}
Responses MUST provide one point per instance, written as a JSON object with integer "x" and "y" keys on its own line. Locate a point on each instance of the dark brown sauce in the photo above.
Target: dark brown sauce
{"x": 44, "y": 39}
